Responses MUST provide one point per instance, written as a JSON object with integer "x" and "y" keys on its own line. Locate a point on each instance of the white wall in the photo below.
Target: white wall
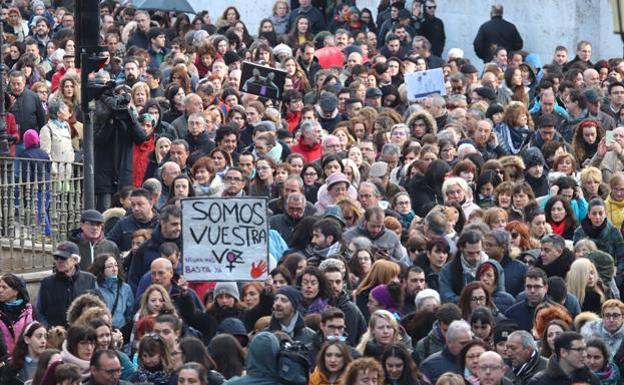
{"x": 543, "y": 24}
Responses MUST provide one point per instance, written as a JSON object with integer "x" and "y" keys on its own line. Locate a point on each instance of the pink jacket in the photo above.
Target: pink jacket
{"x": 12, "y": 331}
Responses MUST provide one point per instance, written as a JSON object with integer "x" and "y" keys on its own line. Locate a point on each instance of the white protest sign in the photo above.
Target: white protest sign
{"x": 422, "y": 83}
{"x": 225, "y": 239}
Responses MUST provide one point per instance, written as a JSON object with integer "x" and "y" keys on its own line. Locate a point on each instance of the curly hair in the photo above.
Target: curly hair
{"x": 363, "y": 364}
{"x": 546, "y": 313}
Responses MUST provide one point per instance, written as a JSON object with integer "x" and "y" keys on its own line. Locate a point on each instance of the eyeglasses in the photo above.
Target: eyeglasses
{"x": 491, "y": 368}
{"x": 579, "y": 349}
{"x": 233, "y": 179}
{"x": 478, "y": 299}
{"x": 613, "y": 316}
{"x": 431, "y": 6}
{"x": 533, "y": 287}
{"x": 110, "y": 372}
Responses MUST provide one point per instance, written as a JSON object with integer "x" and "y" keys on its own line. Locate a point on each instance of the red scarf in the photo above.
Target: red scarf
{"x": 558, "y": 228}
{"x": 140, "y": 160}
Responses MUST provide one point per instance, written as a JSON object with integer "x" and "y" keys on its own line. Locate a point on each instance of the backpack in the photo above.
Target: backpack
{"x": 293, "y": 364}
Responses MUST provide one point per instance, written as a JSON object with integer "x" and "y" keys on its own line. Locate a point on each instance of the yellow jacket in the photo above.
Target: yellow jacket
{"x": 318, "y": 378}
{"x": 615, "y": 211}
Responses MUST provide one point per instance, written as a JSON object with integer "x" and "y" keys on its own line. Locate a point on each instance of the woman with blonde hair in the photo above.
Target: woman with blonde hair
{"x": 583, "y": 281}
{"x": 161, "y": 148}
{"x": 140, "y": 93}
{"x": 155, "y": 300}
{"x": 344, "y": 136}
{"x": 351, "y": 171}
{"x": 382, "y": 272}
{"x": 383, "y": 330}
{"x": 591, "y": 183}
{"x": 450, "y": 379}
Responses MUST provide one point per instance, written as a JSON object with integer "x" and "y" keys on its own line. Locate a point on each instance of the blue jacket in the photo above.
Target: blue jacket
{"x": 515, "y": 271}
{"x": 522, "y": 313}
{"x": 144, "y": 256}
{"x": 438, "y": 364}
{"x": 109, "y": 289}
{"x": 501, "y": 298}
{"x": 447, "y": 276}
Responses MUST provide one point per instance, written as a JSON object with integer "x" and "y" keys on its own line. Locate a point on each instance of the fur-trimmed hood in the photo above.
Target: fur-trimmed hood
{"x": 432, "y": 126}
{"x": 81, "y": 304}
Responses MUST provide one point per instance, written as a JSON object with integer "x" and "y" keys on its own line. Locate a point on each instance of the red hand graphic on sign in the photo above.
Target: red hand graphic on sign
{"x": 257, "y": 271}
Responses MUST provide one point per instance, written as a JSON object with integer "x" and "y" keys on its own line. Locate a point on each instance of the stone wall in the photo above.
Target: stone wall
{"x": 543, "y": 24}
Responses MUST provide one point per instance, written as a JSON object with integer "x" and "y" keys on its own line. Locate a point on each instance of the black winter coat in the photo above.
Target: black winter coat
{"x": 433, "y": 29}
{"x": 423, "y": 197}
{"x": 496, "y": 32}
{"x": 553, "y": 375}
{"x": 28, "y": 111}
{"x": 57, "y": 292}
{"x": 116, "y": 131}
{"x": 355, "y": 324}
{"x": 147, "y": 252}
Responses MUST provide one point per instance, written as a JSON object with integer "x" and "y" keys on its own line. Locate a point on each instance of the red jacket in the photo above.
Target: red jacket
{"x": 140, "y": 160}
{"x": 309, "y": 153}
{"x": 11, "y": 129}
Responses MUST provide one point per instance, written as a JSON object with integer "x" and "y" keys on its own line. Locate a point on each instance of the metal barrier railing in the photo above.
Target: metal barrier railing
{"x": 40, "y": 203}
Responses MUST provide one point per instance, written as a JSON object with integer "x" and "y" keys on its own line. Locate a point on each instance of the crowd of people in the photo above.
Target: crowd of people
{"x": 467, "y": 238}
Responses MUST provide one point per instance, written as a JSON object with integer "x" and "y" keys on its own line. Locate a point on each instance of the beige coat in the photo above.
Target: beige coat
{"x": 57, "y": 142}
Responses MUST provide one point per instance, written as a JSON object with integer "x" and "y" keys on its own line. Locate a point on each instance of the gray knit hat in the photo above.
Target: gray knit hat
{"x": 229, "y": 288}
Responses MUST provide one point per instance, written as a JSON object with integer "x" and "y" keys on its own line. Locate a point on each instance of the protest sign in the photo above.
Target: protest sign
{"x": 225, "y": 239}
{"x": 262, "y": 81}
{"x": 423, "y": 83}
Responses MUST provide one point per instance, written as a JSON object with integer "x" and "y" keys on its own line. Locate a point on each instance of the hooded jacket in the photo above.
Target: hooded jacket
{"x": 596, "y": 328}
{"x": 424, "y": 115}
{"x": 261, "y": 362}
{"x": 432, "y": 343}
{"x": 501, "y": 298}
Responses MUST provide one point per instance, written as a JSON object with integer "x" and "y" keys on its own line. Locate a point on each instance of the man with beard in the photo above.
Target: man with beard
{"x": 130, "y": 72}
{"x": 326, "y": 241}
{"x": 372, "y": 227}
{"x": 288, "y": 316}
{"x": 355, "y": 324}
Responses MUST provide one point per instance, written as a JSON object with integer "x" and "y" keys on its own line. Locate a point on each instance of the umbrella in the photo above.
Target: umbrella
{"x": 167, "y": 5}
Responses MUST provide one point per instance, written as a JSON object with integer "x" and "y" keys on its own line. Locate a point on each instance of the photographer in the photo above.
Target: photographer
{"x": 116, "y": 129}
